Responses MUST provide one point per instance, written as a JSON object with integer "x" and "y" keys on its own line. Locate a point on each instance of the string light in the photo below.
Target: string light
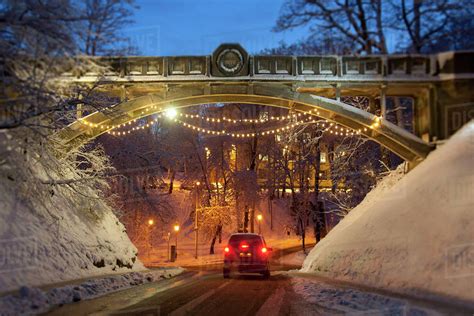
{"x": 277, "y": 131}
{"x": 172, "y": 113}
{"x": 330, "y": 127}
{"x": 225, "y": 119}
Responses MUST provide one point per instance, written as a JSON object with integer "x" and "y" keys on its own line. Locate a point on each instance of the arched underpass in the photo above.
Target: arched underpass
{"x": 404, "y": 144}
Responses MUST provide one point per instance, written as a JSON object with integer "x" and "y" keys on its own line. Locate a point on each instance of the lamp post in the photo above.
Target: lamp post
{"x": 150, "y": 223}
{"x": 169, "y": 237}
{"x": 176, "y": 229}
{"x": 259, "y": 220}
{"x": 196, "y": 226}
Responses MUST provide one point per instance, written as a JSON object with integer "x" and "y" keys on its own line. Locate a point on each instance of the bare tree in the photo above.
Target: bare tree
{"x": 357, "y": 23}
{"x": 361, "y": 26}
{"x": 427, "y": 23}
{"x": 103, "y": 24}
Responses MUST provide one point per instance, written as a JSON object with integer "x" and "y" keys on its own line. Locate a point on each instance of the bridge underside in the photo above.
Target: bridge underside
{"x": 406, "y": 145}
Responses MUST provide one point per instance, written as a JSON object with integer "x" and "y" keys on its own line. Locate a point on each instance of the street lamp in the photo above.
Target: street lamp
{"x": 196, "y": 219}
{"x": 169, "y": 255}
{"x": 259, "y": 220}
{"x": 150, "y": 223}
{"x": 176, "y": 230}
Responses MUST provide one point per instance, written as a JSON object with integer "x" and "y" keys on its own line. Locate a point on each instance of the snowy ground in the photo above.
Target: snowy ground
{"x": 32, "y": 300}
{"x": 412, "y": 234}
{"x": 294, "y": 259}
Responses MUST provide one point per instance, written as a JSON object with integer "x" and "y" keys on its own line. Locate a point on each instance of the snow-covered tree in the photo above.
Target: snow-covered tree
{"x": 37, "y": 45}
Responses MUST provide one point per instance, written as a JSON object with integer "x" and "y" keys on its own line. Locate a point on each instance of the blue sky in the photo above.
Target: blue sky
{"x": 196, "y": 27}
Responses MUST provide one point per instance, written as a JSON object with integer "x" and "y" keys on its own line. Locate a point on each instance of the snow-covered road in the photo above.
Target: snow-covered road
{"x": 201, "y": 290}
{"x": 285, "y": 293}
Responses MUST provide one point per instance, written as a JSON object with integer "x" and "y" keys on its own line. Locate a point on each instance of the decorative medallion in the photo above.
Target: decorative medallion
{"x": 230, "y": 61}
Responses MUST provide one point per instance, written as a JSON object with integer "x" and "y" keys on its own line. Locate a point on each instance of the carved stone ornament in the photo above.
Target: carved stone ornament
{"x": 230, "y": 61}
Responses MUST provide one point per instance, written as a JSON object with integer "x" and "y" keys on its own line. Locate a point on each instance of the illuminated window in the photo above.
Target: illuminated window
{"x": 323, "y": 158}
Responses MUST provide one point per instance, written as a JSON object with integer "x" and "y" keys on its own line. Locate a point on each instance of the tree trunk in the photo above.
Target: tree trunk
{"x": 303, "y": 235}
{"x": 319, "y": 221}
{"x": 246, "y": 219}
{"x": 315, "y": 205}
{"x": 220, "y": 235}
{"x": 252, "y": 218}
{"x": 213, "y": 241}
{"x": 173, "y": 173}
{"x": 417, "y": 31}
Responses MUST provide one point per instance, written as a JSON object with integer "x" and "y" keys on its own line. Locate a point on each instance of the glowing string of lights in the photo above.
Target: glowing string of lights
{"x": 332, "y": 128}
{"x": 172, "y": 113}
{"x": 225, "y": 119}
{"x": 328, "y": 127}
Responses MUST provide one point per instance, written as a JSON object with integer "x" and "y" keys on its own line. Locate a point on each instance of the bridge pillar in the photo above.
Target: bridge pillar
{"x": 383, "y": 101}
{"x": 79, "y": 108}
{"x": 338, "y": 91}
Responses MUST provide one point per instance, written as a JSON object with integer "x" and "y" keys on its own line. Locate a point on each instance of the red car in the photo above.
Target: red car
{"x": 246, "y": 253}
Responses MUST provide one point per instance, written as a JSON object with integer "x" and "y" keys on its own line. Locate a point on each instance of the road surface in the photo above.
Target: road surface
{"x": 201, "y": 291}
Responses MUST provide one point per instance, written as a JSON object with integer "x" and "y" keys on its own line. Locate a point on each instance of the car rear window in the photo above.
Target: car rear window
{"x": 251, "y": 240}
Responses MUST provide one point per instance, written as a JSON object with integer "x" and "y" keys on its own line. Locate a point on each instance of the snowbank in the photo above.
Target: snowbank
{"x": 39, "y": 249}
{"x": 412, "y": 234}
{"x": 323, "y": 299}
{"x": 32, "y": 300}
{"x": 52, "y": 233}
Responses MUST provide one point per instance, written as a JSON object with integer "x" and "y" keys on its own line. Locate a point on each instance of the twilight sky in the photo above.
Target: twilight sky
{"x": 197, "y": 27}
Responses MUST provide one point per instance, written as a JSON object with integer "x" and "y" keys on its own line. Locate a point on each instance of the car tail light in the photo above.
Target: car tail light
{"x": 264, "y": 250}
{"x": 244, "y": 246}
{"x": 226, "y": 250}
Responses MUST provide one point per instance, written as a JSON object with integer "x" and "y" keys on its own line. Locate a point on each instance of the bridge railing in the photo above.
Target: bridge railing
{"x": 378, "y": 67}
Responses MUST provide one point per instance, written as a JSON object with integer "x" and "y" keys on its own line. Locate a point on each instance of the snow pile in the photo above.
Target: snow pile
{"x": 37, "y": 248}
{"x": 416, "y": 236}
{"x": 323, "y": 299}
{"x": 32, "y": 300}
{"x": 54, "y": 232}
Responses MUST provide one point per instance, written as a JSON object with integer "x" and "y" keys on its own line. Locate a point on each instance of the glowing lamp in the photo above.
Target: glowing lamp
{"x": 171, "y": 113}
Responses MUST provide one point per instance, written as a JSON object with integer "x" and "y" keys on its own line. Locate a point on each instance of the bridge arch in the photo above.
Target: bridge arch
{"x": 406, "y": 145}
